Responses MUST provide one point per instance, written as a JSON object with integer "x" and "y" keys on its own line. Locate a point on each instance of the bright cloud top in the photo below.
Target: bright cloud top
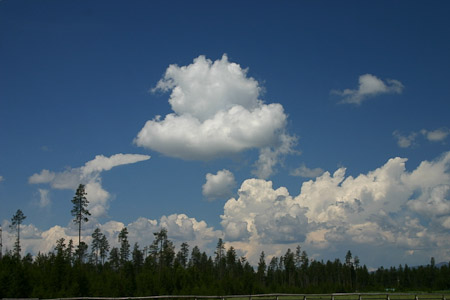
{"x": 388, "y": 207}
{"x": 89, "y": 174}
{"x": 369, "y": 86}
{"x": 217, "y": 113}
{"x": 219, "y": 186}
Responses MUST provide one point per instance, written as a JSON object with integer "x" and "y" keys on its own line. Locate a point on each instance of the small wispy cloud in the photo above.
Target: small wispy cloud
{"x": 369, "y": 86}
{"x": 405, "y": 141}
{"x": 408, "y": 140}
{"x": 437, "y": 135}
{"x": 304, "y": 171}
{"x": 1, "y": 178}
{"x": 44, "y": 198}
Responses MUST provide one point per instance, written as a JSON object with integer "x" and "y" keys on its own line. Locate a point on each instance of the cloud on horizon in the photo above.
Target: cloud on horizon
{"x": 217, "y": 112}
{"x": 406, "y": 213}
{"x": 89, "y": 174}
{"x": 369, "y": 86}
{"x": 180, "y": 228}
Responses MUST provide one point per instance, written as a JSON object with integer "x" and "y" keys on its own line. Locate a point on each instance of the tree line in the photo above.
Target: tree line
{"x": 161, "y": 269}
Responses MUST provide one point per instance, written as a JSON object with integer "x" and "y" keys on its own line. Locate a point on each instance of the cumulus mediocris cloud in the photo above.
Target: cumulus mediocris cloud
{"x": 219, "y": 186}
{"x": 388, "y": 208}
{"x": 217, "y": 112}
{"x": 369, "y": 86}
{"x": 89, "y": 174}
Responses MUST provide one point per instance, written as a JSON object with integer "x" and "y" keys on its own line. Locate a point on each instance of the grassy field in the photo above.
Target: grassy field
{"x": 349, "y": 296}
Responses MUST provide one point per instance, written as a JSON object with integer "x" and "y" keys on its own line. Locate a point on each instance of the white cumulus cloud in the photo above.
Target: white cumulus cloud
{"x": 264, "y": 214}
{"x": 369, "y": 86}
{"x": 217, "y": 112}
{"x": 89, "y": 174}
{"x": 388, "y": 208}
{"x": 219, "y": 186}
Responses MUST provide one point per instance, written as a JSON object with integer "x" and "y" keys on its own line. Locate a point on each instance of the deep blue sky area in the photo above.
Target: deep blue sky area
{"x": 359, "y": 83}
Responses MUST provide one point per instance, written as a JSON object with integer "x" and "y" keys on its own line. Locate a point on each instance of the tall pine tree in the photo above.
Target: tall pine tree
{"x": 16, "y": 220}
{"x": 79, "y": 210}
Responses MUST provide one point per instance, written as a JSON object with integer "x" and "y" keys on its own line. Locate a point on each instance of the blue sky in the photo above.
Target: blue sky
{"x": 320, "y": 123}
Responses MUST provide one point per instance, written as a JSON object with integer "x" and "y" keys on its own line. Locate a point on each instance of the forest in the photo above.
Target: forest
{"x": 70, "y": 271}
{"x": 159, "y": 269}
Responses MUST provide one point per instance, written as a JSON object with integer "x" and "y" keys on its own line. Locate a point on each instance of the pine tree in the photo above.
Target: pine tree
{"x": 95, "y": 245}
{"x": 182, "y": 255}
{"x": 138, "y": 257}
{"x": 79, "y": 210}
{"x": 196, "y": 257}
{"x": 159, "y": 245}
{"x": 261, "y": 267}
{"x": 348, "y": 259}
{"x": 81, "y": 252}
{"x": 104, "y": 248}
{"x": 124, "y": 245}
{"x": 114, "y": 258}
{"x": 16, "y": 220}
{"x": 69, "y": 251}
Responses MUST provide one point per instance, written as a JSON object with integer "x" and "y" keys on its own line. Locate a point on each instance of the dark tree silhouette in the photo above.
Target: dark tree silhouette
{"x": 16, "y": 220}
{"x": 95, "y": 244}
{"x": 124, "y": 245}
{"x": 79, "y": 210}
{"x": 104, "y": 248}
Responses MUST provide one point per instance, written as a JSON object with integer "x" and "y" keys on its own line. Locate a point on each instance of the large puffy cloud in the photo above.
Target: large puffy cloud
{"x": 219, "y": 186}
{"x": 389, "y": 209}
{"x": 264, "y": 214}
{"x": 89, "y": 174}
{"x": 216, "y": 113}
{"x": 369, "y": 86}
